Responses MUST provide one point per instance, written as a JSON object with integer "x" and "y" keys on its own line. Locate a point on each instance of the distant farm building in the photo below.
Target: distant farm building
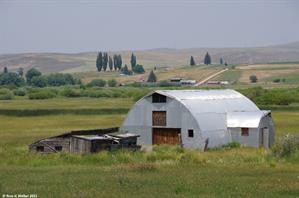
{"x": 216, "y": 82}
{"x": 176, "y": 80}
{"x": 188, "y": 82}
{"x": 182, "y": 81}
{"x": 86, "y": 141}
{"x": 199, "y": 119}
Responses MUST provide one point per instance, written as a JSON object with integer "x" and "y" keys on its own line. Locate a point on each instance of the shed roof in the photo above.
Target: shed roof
{"x": 245, "y": 119}
{"x": 90, "y": 137}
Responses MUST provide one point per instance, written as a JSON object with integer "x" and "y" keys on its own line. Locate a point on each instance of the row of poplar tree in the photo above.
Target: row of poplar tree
{"x": 207, "y": 60}
{"x": 104, "y": 62}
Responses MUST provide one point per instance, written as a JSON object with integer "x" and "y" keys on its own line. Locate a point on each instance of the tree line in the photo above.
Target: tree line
{"x": 104, "y": 61}
{"x": 34, "y": 77}
{"x": 207, "y": 60}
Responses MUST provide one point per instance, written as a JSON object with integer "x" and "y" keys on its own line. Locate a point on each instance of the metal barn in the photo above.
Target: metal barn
{"x": 199, "y": 119}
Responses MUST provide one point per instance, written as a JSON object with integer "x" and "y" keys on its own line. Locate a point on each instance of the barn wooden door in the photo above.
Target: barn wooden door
{"x": 166, "y": 136}
{"x": 159, "y": 118}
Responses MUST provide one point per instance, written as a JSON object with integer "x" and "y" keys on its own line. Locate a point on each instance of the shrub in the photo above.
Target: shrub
{"x": 253, "y": 92}
{"x": 97, "y": 83}
{"x": 232, "y": 145}
{"x": 68, "y": 92}
{"x": 41, "y": 94}
{"x": 253, "y": 79}
{"x": 227, "y": 146}
{"x": 20, "y": 92}
{"x": 286, "y": 146}
{"x": 276, "y": 97}
{"x": 277, "y": 80}
{"x": 166, "y": 83}
{"x": 5, "y": 94}
{"x": 59, "y": 79}
{"x": 112, "y": 83}
{"x": 100, "y": 92}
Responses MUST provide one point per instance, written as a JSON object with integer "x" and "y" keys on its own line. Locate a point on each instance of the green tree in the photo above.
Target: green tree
{"x": 105, "y": 61}
{"x": 133, "y": 61}
{"x": 58, "y": 79}
{"x": 11, "y": 78}
{"x": 110, "y": 63}
{"x": 39, "y": 81}
{"x": 138, "y": 69}
{"x": 253, "y": 78}
{"x": 112, "y": 83}
{"x": 20, "y": 71}
{"x": 99, "y": 62}
{"x": 120, "y": 62}
{"x": 5, "y": 70}
{"x": 221, "y": 61}
{"x": 192, "y": 61}
{"x": 207, "y": 59}
{"x": 115, "y": 62}
{"x": 31, "y": 73}
{"x": 152, "y": 77}
{"x": 125, "y": 70}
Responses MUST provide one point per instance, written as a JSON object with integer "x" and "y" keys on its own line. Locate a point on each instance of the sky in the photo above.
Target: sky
{"x": 72, "y": 26}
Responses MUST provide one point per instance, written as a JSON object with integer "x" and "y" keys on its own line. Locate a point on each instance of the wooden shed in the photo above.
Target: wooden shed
{"x": 89, "y": 143}
{"x": 85, "y": 141}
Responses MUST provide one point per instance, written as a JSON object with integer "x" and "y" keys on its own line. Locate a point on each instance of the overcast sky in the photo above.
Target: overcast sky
{"x": 92, "y": 25}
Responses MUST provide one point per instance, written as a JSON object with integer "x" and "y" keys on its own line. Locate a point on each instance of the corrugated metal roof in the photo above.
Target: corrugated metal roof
{"x": 90, "y": 137}
{"x": 218, "y": 109}
{"x": 217, "y": 101}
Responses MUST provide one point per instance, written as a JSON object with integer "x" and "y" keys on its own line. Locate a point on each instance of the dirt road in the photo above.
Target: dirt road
{"x": 210, "y": 77}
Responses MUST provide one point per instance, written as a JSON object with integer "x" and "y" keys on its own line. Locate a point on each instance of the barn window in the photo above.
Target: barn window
{"x": 40, "y": 148}
{"x": 159, "y": 118}
{"x": 158, "y": 98}
{"x": 58, "y": 148}
{"x": 190, "y": 133}
{"x": 244, "y": 131}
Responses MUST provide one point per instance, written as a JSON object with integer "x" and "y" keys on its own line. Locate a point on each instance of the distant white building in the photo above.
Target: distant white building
{"x": 216, "y": 82}
{"x": 182, "y": 81}
{"x": 199, "y": 119}
{"x": 188, "y": 82}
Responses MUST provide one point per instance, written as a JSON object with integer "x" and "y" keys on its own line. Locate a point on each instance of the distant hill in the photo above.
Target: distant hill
{"x": 80, "y": 62}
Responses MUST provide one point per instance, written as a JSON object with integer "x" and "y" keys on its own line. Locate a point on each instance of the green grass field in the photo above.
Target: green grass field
{"x": 230, "y": 75}
{"x": 66, "y": 103}
{"x": 165, "y": 172}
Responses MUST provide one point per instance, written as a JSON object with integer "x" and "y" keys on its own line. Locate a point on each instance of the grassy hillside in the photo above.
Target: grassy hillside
{"x": 165, "y": 172}
{"x": 287, "y": 74}
{"x": 84, "y": 62}
{"x": 196, "y": 72}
